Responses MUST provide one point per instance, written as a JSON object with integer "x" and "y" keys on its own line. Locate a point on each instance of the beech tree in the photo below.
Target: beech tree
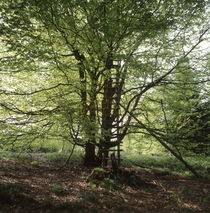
{"x": 80, "y": 69}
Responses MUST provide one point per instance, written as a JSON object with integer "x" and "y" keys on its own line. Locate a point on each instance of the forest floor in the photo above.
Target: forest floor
{"x": 42, "y": 188}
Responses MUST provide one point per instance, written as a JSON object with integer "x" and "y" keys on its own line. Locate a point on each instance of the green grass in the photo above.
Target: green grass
{"x": 167, "y": 163}
{"x": 52, "y": 145}
{"x": 42, "y": 146}
{"x": 50, "y": 151}
{"x": 7, "y": 155}
{"x": 55, "y": 158}
{"x": 160, "y": 162}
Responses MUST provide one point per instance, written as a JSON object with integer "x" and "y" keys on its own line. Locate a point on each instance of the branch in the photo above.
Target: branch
{"x": 33, "y": 92}
{"x": 136, "y": 98}
{"x": 164, "y": 144}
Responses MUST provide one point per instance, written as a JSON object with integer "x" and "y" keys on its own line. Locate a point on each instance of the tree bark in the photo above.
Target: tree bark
{"x": 90, "y": 156}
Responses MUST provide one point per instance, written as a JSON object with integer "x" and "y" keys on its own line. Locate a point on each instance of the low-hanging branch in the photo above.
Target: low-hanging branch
{"x": 164, "y": 144}
{"x": 32, "y": 92}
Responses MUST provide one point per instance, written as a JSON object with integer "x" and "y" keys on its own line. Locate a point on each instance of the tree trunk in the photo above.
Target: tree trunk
{"x": 90, "y": 157}
{"x": 114, "y": 164}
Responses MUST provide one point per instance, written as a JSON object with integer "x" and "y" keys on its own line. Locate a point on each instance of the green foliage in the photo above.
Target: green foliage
{"x": 88, "y": 196}
{"x": 34, "y": 163}
{"x": 59, "y": 158}
{"x": 74, "y": 70}
{"x": 166, "y": 163}
{"x": 6, "y": 155}
{"x": 199, "y": 123}
{"x": 55, "y": 158}
{"x": 100, "y": 177}
{"x": 109, "y": 184}
{"x": 57, "y": 189}
{"x": 99, "y": 169}
{"x": 142, "y": 144}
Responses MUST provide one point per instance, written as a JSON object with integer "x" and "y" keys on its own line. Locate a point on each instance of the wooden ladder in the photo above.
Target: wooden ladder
{"x": 117, "y": 152}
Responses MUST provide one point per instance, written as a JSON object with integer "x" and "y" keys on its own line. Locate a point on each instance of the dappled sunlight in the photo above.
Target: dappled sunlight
{"x": 191, "y": 206}
{"x": 67, "y": 188}
{"x": 104, "y": 106}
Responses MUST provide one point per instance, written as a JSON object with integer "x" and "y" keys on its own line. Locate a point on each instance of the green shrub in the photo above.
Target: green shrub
{"x": 99, "y": 169}
{"x": 88, "y": 196}
{"x": 108, "y": 183}
{"x": 57, "y": 189}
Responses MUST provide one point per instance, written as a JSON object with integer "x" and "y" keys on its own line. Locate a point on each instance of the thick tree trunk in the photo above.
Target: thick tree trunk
{"x": 106, "y": 120}
{"x": 105, "y": 157}
{"x": 109, "y": 114}
{"x": 90, "y": 157}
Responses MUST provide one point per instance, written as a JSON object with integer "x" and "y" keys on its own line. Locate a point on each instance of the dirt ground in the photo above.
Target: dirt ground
{"x": 50, "y": 189}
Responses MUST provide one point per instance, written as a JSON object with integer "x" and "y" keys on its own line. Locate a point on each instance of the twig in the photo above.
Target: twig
{"x": 67, "y": 161}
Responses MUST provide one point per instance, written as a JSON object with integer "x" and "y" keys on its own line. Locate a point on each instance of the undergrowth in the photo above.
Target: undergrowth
{"x": 167, "y": 163}
{"x": 140, "y": 161}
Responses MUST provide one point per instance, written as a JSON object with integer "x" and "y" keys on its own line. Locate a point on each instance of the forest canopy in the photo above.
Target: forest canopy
{"x": 92, "y": 72}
